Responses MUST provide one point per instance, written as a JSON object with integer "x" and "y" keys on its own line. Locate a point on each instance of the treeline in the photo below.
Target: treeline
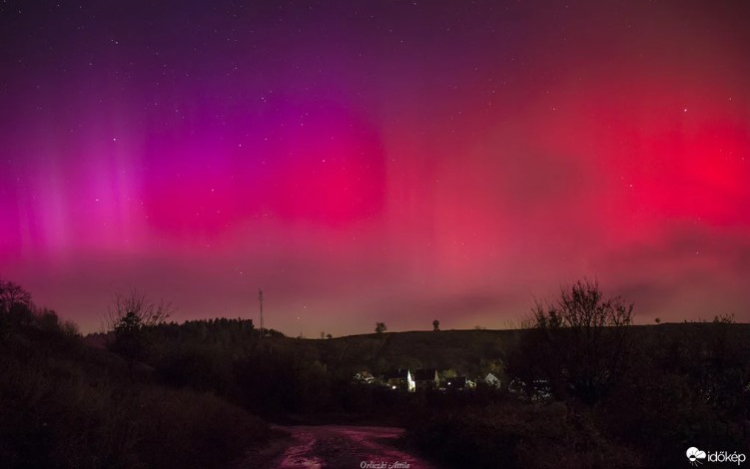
{"x": 65, "y": 404}
{"x": 279, "y": 378}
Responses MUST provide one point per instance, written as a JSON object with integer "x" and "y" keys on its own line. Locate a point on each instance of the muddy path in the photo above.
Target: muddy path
{"x": 339, "y": 447}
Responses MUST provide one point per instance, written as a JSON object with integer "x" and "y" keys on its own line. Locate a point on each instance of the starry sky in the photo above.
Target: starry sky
{"x": 363, "y": 161}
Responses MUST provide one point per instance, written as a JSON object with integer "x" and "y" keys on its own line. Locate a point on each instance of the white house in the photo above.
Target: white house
{"x": 492, "y": 380}
{"x": 400, "y": 379}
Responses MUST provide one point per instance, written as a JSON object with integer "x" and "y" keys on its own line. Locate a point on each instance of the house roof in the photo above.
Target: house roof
{"x": 363, "y": 375}
{"x": 425, "y": 375}
{"x": 396, "y": 374}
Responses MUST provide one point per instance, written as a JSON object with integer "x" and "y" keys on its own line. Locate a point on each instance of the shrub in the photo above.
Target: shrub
{"x": 513, "y": 435}
{"x": 64, "y": 405}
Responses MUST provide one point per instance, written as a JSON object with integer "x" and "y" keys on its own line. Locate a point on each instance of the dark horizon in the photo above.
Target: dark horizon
{"x": 364, "y": 161}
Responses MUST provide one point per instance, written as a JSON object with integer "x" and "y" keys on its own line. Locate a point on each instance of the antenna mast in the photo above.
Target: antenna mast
{"x": 260, "y": 299}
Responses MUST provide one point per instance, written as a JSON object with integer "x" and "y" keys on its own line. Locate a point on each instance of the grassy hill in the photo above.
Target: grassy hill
{"x": 467, "y": 352}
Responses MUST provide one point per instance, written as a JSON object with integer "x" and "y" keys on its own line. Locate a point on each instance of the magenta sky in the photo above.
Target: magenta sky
{"x": 370, "y": 161}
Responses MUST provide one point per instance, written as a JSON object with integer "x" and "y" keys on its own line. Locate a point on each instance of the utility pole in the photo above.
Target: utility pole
{"x": 260, "y": 299}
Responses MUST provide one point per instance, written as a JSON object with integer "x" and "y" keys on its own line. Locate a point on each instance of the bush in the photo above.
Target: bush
{"x": 578, "y": 345}
{"x": 685, "y": 386}
{"x": 513, "y": 435}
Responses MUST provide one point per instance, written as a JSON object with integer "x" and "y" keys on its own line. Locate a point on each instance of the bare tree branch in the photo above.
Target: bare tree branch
{"x": 139, "y": 308}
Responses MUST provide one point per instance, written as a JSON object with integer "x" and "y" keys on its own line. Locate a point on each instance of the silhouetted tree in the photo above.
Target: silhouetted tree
{"x": 578, "y": 344}
{"x": 15, "y": 307}
{"x": 380, "y": 327}
{"x": 329, "y": 336}
{"x": 435, "y": 325}
{"x": 12, "y": 296}
{"x": 137, "y": 305}
{"x": 129, "y": 319}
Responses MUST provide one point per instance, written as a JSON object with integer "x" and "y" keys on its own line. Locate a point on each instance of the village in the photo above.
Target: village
{"x": 426, "y": 379}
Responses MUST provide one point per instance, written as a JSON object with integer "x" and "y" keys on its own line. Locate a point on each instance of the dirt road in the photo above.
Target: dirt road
{"x": 342, "y": 447}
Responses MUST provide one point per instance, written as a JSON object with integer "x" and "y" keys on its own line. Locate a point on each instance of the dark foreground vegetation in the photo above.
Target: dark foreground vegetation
{"x": 590, "y": 389}
{"x": 64, "y": 404}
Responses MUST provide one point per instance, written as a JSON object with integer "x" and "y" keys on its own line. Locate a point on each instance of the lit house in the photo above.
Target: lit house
{"x": 459, "y": 383}
{"x": 399, "y": 379}
{"x": 426, "y": 379}
{"x": 364, "y": 377}
{"x": 492, "y": 380}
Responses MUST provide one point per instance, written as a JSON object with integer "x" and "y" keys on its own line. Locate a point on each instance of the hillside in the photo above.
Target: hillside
{"x": 64, "y": 403}
{"x": 468, "y": 352}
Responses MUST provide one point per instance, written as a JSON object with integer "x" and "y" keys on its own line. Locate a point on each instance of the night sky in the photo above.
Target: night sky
{"x": 363, "y": 161}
